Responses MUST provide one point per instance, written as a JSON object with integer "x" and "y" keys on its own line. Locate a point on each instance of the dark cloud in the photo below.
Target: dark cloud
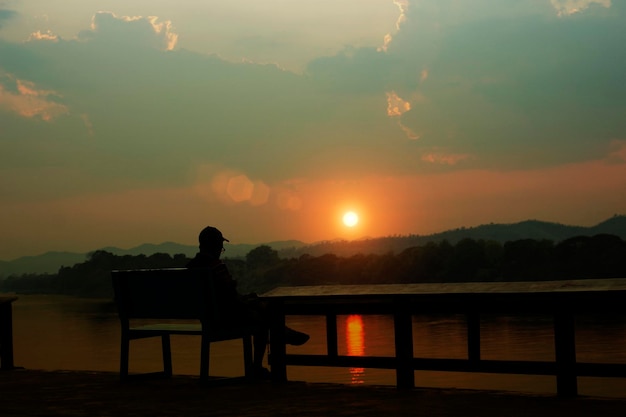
{"x": 354, "y": 70}
{"x": 511, "y": 90}
{"x": 547, "y": 88}
{"x": 492, "y": 93}
{"x": 152, "y": 111}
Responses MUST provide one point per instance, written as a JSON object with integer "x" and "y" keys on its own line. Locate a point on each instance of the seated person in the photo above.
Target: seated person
{"x": 239, "y": 309}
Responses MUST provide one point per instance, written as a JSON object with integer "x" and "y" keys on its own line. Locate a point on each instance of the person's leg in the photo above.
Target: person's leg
{"x": 260, "y": 339}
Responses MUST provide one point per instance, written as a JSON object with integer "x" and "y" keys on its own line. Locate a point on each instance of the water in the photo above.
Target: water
{"x": 66, "y": 333}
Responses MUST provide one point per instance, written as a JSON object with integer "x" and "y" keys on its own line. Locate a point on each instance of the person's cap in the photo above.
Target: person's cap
{"x": 210, "y": 235}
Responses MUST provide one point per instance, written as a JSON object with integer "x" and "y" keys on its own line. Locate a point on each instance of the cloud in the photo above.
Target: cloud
{"x": 27, "y": 100}
{"x": 485, "y": 82}
{"x": 444, "y": 158}
{"x": 489, "y": 72}
{"x": 503, "y": 84}
{"x": 88, "y": 124}
{"x": 396, "y": 106}
{"x": 424, "y": 75}
{"x": 39, "y": 36}
{"x": 408, "y": 131}
{"x": 570, "y": 7}
{"x": 136, "y": 30}
{"x": 353, "y": 70}
{"x": 515, "y": 94}
{"x": 119, "y": 131}
{"x": 402, "y": 6}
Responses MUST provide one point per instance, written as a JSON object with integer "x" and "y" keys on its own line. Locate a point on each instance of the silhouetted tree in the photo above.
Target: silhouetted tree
{"x": 600, "y": 256}
{"x": 528, "y": 259}
{"x": 262, "y": 257}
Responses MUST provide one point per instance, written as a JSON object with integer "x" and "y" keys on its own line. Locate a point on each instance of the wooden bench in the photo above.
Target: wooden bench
{"x": 150, "y": 302}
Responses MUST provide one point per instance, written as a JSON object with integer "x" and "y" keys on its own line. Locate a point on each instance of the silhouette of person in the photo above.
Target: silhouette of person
{"x": 237, "y": 308}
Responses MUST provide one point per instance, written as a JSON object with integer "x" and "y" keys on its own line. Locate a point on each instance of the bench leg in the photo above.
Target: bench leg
{"x": 205, "y": 354}
{"x": 167, "y": 354}
{"x": 124, "y": 352}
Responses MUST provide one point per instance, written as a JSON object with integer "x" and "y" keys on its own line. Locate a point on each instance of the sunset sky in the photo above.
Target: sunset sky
{"x": 128, "y": 122}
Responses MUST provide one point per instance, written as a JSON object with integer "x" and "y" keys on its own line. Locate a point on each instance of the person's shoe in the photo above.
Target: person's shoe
{"x": 294, "y": 337}
{"x": 261, "y": 374}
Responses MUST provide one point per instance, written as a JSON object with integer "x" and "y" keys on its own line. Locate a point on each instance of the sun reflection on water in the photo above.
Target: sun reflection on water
{"x": 355, "y": 341}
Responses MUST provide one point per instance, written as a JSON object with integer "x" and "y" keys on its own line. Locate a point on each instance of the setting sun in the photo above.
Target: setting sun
{"x": 350, "y": 219}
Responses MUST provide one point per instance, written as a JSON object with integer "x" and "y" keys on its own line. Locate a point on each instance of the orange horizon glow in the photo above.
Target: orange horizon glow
{"x": 386, "y": 206}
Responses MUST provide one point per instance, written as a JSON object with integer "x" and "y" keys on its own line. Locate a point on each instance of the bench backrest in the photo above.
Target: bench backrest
{"x": 175, "y": 293}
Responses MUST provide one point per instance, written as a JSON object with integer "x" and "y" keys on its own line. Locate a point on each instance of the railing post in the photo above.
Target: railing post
{"x": 331, "y": 335}
{"x": 473, "y": 336}
{"x": 565, "y": 353}
{"x": 6, "y": 336}
{"x": 278, "y": 350}
{"x": 403, "y": 333}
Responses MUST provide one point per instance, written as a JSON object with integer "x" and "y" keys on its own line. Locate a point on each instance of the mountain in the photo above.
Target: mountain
{"x": 616, "y": 225}
{"x": 50, "y": 262}
{"x": 528, "y": 229}
{"x": 232, "y": 250}
{"x": 151, "y": 248}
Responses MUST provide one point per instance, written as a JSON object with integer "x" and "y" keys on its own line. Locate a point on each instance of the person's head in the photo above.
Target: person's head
{"x": 211, "y": 240}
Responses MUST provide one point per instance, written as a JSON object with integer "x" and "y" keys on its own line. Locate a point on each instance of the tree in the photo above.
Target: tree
{"x": 262, "y": 257}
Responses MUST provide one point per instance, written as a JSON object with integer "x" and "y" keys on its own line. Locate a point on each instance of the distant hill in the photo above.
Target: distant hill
{"x": 529, "y": 229}
{"x": 50, "y": 262}
{"x": 232, "y": 250}
{"x": 151, "y": 248}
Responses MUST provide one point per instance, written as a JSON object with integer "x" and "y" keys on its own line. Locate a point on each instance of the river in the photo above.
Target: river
{"x": 66, "y": 333}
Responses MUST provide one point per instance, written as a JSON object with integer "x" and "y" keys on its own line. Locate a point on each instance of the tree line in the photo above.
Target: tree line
{"x": 468, "y": 260}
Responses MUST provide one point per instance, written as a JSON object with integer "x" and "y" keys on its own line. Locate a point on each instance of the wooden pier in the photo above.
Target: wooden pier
{"x": 560, "y": 299}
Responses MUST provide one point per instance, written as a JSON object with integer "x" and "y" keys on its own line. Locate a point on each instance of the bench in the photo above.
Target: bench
{"x": 174, "y": 301}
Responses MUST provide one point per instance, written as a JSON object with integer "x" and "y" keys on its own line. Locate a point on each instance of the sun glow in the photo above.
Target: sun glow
{"x": 350, "y": 219}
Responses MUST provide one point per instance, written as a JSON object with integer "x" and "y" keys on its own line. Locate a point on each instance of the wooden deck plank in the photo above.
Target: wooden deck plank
{"x": 583, "y": 285}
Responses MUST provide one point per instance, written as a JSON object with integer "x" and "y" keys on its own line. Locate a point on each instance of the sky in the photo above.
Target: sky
{"x": 130, "y": 122}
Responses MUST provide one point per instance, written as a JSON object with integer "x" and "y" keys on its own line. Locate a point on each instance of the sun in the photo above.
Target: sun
{"x": 350, "y": 219}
